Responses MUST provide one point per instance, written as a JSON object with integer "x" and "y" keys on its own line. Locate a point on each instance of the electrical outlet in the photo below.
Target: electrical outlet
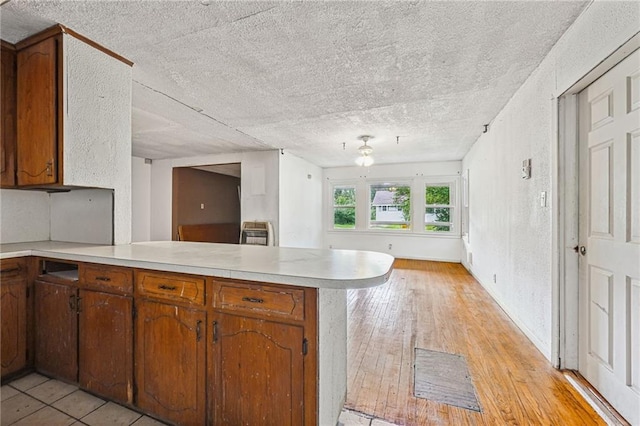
{"x": 202, "y": 206}
{"x": 495, "y": 278}
{"x": 390, "y": 246}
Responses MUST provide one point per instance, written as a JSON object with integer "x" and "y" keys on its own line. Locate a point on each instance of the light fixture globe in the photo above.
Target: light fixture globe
{"x": 365, "y": 151}
{"x": 364, "y": 161}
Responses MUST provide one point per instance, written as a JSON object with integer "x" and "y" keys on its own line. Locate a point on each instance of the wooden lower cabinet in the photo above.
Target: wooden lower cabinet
{"x": 257, "y": 372}
{"x": 14, "y": 317}
{"x": 105, "y": 345}
{"x": 170, "y": 362}
{"x": 56, "y": 329}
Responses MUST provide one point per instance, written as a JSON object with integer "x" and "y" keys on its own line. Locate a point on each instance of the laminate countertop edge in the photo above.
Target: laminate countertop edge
{"x": 318, "y": 268}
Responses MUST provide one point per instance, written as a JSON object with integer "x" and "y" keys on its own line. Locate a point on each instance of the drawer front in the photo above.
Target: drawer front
{"x": 259, "y": 299}
{"x": 10, "y": 268}
{"x": 109, "y": 278}
{"x": 174, "y": 287}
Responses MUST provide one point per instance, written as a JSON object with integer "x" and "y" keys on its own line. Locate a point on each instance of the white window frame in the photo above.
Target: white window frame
{"x": 454, "y": 205}
{"x": 332, "y": 206}
{"x": 397, "y": 182}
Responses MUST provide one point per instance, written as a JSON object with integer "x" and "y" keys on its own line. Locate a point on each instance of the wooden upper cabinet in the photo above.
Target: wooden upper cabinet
{"x": 8, "y": 123}
{"x": 38, "y": 119}
{"x": 73, "y": 111}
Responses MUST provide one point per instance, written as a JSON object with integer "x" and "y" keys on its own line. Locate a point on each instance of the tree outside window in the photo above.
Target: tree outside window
{"x": 438, "y": 208}
{"x": 344, "y": 207}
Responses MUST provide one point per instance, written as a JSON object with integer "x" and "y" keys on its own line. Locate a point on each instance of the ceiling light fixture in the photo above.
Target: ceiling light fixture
{"x": 365, "y": 159}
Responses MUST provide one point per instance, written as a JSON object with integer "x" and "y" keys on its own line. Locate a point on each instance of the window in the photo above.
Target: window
{"x": 390, "y": 206}
{"x": 344, "y": 207}
{"x": 439, "y": 205}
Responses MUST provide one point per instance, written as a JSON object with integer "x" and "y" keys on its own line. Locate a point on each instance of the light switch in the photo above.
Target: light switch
{"x": 202, "y": 206}
{"x": 543, "y": 199}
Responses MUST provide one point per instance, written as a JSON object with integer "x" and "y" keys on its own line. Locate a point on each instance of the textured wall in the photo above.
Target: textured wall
{"x": 97, "y": 140}
{"x": 24, "y": 216}
{"x": 409, "y": 244}
{"x": 332, "y": 359}
{"x": 300, "y": 203}
{"x": 510, "y": 233}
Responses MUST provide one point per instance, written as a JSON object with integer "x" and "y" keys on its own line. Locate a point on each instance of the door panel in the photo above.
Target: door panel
{"x": 258, "y": 369}
{"x": 56, "y": 330}
{"x": 13, "y": 307}
{"x": 170, "y": 362}
{"x": 105, "y": 345}
{"x": 37, "y": 113}
{"x": 609, "y": 339}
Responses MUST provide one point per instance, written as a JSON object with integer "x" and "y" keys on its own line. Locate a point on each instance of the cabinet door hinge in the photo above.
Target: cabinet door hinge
{"x": 305, "y": 346}
{"x": 134, "y": 311}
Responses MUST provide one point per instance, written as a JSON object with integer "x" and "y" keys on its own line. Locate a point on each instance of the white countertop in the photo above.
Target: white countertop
{"x": 341, "y": 269}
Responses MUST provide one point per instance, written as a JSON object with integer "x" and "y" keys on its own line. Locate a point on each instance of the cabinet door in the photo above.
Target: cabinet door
{"x": 8, "y": 135}
{"x": 56, "y": 329}
{"x": 14, "y": 324}
{"x": 170, "y": 362}
{"x": 37, "y": 106}
{"x": 258, "y": 372}
{"x": 105, "y": 345}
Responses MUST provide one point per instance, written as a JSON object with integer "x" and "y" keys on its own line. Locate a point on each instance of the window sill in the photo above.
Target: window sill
{"x": 407, "y": 233}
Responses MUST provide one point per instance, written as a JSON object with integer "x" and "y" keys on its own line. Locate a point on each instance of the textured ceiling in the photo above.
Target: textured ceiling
{"x": 213, "y": 77}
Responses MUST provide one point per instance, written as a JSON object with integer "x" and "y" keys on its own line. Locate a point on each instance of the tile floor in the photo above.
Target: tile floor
{"x": 37, "y": 400}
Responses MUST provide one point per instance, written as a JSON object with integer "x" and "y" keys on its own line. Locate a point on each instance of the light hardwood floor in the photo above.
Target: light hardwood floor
{"x": 439, "y": 306}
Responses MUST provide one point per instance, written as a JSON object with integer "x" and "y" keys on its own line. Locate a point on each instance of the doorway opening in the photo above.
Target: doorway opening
{"x": 206, "y": 203}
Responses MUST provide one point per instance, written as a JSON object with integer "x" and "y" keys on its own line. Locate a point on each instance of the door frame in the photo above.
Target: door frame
{"x": 565, "y": 211}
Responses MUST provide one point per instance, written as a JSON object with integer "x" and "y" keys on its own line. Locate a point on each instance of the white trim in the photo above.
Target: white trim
{"x": 566, "y": 217}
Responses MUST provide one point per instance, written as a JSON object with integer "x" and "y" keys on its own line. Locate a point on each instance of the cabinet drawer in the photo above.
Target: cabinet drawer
{"x": 10, "y": 268}
{"x": 269, "y": 301}
{"x": 168, "y": 286}
{"x": 103, "y": 277}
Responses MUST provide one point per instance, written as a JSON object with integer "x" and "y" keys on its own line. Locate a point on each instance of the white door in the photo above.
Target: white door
{"x": 609, "y": 331}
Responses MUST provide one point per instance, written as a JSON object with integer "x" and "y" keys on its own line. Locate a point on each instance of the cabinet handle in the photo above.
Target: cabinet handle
{"x": 198, "y": 331}
{"x": 10, "y": 270}
{"x": 215, "y": 331}
{"x": 106, "y": 279}
{"x": 252, "y": 300}
{"x": 50, "y": 168}
{"x": 72, "y": 302}
{"x": 167, "y": 287}
{"x": 79, "y": 304}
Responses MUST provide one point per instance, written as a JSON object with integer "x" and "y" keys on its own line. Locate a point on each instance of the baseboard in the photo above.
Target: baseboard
{"x": 593, "y": 397}
{"x": 542, "y": 348}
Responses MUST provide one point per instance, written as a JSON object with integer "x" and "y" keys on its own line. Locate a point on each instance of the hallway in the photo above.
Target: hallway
{"x": 441, "y": 307}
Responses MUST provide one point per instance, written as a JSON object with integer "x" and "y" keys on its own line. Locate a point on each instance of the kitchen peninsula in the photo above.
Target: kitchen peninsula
{"x": 194, "y": 333}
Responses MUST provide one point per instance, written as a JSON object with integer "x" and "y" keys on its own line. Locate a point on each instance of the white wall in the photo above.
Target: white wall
{"x": 82, "y": 216}
{"x": 300, "y": 203}
{"x": 259, "y": 187}
{"x": 24, "y": 216}
{"x": 410, "y": 244}
{"x": 510, "y": 234}
{"x": 97, "y": 127}
{"x": 140, "y": 200}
